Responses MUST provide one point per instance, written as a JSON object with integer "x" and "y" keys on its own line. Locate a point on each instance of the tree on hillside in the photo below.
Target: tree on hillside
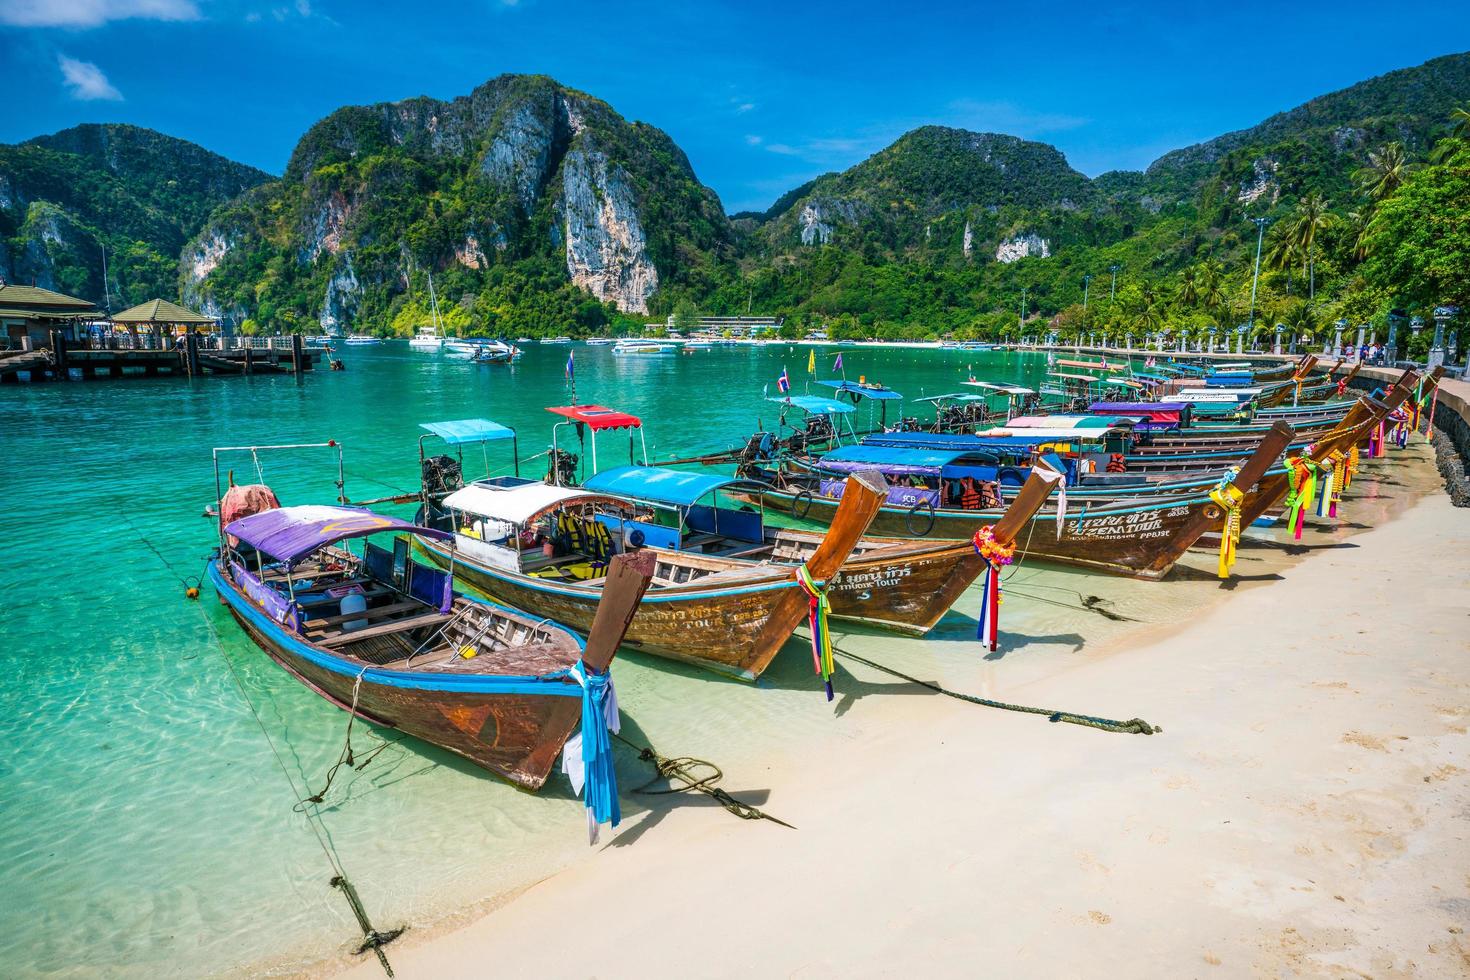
{"x": 1419, "y": 241}
{"x": 1385, "y": 173}
{"x": 1458, "y": 134}
{"x": 1188, "y": 294}
{"x": 1310, "y": 219}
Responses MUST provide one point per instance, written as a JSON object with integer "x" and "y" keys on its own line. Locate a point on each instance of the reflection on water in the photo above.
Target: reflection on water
{"x": 144, "y": 824}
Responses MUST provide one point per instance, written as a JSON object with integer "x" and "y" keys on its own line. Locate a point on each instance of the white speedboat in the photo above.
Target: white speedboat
{"x": 556, "y": 340}
{"x": 600, "y": 341}
{"x": 643, "y": 348}
{"x": 362, "y": 340}
{"x": 427, "y": 339}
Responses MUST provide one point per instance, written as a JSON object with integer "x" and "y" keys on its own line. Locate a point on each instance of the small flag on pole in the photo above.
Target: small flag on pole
{"x": 571, "y": 368}
{"x": 783, "y": 383}
{"x": 811, "y": 363}
{"x": 837, "y": 364}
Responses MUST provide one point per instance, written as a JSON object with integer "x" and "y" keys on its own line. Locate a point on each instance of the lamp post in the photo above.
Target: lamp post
{"x": 1260, "y": 224}
{"x": 1444, "y": 316}
{"x": 1086, "y": 280}
{"x": 1391, "y": 349}
{"x": 1023, "y": 307}
{"x": 1338, "y": 328}
{"x": 1240, "y": 330}
{"x": 1113, "y": 289}
{"x": 1276, "y": 345}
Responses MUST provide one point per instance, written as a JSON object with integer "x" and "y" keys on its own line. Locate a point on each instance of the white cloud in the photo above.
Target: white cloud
{"x": 1009, "y": 118}
{"x": 786, "y": 150}
{"x": 745, "y": 107}
{"x": 86, "y": 80}
{"x": 92, "y": 13}
{"x": 753, "y": 140}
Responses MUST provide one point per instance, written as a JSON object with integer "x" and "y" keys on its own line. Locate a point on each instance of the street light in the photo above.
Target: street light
{"x": 1086, "y": 279}
{"x": 1260, "y": 224}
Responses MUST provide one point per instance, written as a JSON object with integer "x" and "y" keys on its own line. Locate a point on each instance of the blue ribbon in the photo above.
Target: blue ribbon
{"x": 600, "y": 779}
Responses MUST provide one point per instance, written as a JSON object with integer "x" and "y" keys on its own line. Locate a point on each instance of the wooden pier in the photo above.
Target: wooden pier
{"x": 65, "y": 360}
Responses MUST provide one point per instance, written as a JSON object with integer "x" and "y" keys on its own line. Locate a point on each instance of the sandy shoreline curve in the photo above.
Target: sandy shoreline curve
{"x": 1305, "y": 812}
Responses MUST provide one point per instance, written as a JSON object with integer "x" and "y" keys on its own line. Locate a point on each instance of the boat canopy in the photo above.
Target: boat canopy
{"x": 1129, "y": 382}
{"x": 862, "y": 390}
{"x": 892, "y": 460}
{"x": 1092, "y": 422}
{"x": 469, "y": 430}
{"x": 289, "y": 534}
{"x": 815, "y": 404}
{"x": 678, "y": 488}
{"x": 520, "y": 503}
{"x": 1003, "y": 388}
{"x": 597, "y": 417}
{"x": 956, "y": 397}
{"x": 1070, "y": 377}
{"x": 1153, "y": 376}
{"x": 1230, "y": 380}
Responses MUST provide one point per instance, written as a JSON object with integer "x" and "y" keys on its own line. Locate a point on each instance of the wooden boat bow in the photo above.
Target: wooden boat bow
{"x": 863, "y": 495}
{"x": 627, "y": 580}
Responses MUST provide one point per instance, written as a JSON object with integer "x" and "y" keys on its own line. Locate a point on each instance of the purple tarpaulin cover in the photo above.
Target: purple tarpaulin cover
{"x": 289, "y": 534}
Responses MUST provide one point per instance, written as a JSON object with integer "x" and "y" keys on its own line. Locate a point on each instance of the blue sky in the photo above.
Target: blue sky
{"x": 761, "y": 95}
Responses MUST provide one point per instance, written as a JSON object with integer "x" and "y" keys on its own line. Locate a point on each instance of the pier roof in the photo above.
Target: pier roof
{"x": 161, "y": 311}
{"x": 33, "y": 302}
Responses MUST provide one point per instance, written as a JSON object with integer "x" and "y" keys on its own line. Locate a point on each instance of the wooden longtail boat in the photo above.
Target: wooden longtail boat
{"x": 730, "y": 619}
{"x": 389, "y": 640}
{"x": 1141, "y": 539}
{"x": 893, "y": 583}
{"x": 405, "y": 651}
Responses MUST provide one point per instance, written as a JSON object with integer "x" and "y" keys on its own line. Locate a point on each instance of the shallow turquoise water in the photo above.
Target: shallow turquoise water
{"x": 145, "y": 827}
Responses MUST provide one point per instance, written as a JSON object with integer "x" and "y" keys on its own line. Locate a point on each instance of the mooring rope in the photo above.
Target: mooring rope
{"x": 686, "y": 769}
{"x": 1133, "y": 726}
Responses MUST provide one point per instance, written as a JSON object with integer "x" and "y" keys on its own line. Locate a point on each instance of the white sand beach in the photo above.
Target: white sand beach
{"x": 1305, "y": 812}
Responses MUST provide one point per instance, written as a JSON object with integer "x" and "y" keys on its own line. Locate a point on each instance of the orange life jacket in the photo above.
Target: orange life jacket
{"x": 1117, "y": 464}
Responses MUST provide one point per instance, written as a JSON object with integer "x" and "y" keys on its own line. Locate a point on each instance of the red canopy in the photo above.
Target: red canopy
{"x": 598, "y": 417}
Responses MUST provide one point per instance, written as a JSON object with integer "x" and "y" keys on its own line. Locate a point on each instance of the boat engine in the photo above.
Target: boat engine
{"x": 440, "y": 476}
{"x": 562, "y": 468}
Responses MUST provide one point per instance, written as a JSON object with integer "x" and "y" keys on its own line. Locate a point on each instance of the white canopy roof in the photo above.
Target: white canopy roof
{"x": 1213, "y": 395}
{"x": 1007, "y": 389}
{"x": 518, "y": 504}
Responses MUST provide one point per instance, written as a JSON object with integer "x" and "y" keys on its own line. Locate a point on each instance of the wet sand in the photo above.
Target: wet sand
{"x": 1304, "y": 812}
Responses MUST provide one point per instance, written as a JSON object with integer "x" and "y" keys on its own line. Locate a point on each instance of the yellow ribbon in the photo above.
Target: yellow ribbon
{"x": 1228, "y": 496}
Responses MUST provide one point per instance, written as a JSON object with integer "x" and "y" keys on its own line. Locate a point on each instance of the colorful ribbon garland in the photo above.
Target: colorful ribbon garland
{"x": 1228, "y": 496}
{"x": 817, "y": 609}
{"x": 997, "y": 555}
{"x": 1301, "y": 472}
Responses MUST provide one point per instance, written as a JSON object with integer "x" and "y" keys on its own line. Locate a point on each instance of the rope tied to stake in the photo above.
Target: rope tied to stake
{"x": 1133, "y": 726}
{"x": 686, "y": 769}
{"x": 818, "y": 608}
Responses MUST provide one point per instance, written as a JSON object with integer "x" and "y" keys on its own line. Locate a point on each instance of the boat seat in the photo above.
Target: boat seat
{"x": 395, "y": 626}
{"x": 372, "y": 612}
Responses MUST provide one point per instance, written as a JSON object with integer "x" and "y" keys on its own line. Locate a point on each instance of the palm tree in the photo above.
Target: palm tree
{"x": 1310, "y": 219}
{"x": 1282, "y": 252}
{"x": 1385, "y": 173}
{"x": 1358, "y": 223}
{"x": 1188, "y": 294}
{"x": 1459, "y": 133}
{"x": 1301, "y": 321}
{"x": 1211, "y": 285}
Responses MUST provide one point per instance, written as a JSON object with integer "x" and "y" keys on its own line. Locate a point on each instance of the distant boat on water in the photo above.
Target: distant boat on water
{"x": 600, "y": 341}
{"x": 556, "y": 340}
{"x": 643, "y": 348}
{"x": 362, "y": 340}
{"x": 431, "y": 336}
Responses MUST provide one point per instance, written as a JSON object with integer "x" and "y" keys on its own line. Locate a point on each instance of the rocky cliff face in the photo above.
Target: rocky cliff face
{"x": 520, "y": 171}
{"x": 132, "y": 193}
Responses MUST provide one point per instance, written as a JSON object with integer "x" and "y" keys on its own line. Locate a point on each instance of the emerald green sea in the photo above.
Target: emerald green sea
{"x": 146, "y": 827}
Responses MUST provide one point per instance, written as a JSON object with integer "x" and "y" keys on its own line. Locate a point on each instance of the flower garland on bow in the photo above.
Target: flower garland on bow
{"x": 818, "y": 608}
{"x": 1301, "y": 472}
{"x": 997, "y": 555}
{"x": 1228, "y": 496}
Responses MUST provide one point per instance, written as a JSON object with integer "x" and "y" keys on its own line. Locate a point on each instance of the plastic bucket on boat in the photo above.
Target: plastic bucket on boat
{"x": 355, "y": 603}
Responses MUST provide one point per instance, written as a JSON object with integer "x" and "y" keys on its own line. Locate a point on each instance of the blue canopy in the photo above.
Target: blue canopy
{"x": 815, "y": 404}
{"x": 291, "y": 533}
{"x": 861, "y": 390}
{"x": 1229, "y": 380}
{"x": 469, "y": 430}
{"x": 889, "y": 460}
{"x": 679, "y": 488}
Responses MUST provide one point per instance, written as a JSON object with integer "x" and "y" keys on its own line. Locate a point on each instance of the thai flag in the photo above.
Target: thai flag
{"x": 783, "y": 383}
{"x": 571, "y": 368}
{"x": 837, "y": 364}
